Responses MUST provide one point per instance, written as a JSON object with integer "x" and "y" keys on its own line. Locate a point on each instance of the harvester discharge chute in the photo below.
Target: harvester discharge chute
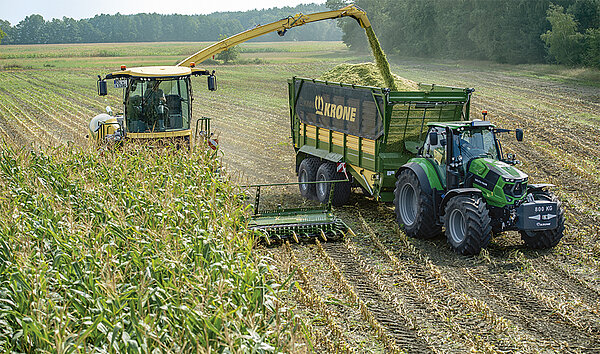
{"x": 297, "y": 224}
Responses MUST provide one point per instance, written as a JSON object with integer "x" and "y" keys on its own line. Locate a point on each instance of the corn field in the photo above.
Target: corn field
{"x": 132, "y": 251}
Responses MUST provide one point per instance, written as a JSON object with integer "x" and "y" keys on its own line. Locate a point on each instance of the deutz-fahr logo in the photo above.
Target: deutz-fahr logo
{"x": 333, "y": 110}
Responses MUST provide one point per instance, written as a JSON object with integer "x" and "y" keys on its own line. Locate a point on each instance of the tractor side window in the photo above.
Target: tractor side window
{"x": 437, "y": 152}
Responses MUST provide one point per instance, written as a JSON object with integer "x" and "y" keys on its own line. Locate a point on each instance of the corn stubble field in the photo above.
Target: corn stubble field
{"x": 136, "y": 250}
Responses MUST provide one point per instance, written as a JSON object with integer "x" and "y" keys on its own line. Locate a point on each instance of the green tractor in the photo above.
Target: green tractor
{"x": 460, "y": 181}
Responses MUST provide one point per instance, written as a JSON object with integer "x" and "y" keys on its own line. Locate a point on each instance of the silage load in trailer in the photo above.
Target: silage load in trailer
{"x": 366, "y": 74}
{"x": 357, "y": 112}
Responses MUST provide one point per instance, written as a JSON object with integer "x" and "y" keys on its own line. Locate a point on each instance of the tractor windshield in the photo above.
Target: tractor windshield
{"x": 153, "y": 105}
{"x": 474, "y": 143}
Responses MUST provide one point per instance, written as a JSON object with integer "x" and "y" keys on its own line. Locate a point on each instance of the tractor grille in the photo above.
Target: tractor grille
{"x": 515, "y": 190}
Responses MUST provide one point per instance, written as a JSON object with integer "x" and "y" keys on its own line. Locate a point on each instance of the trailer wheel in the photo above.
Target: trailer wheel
{"x": 307, "y": 172}
{"x": 468, "y": 224}
{"x": 414, "y": 207}
{"x": 341, "y": 191}
{"x": 545, "y": 238}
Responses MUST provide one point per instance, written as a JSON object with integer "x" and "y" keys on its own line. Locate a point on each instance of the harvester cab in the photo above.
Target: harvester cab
{"x": 462, "y": 181}
{"x": 157, "y": 104}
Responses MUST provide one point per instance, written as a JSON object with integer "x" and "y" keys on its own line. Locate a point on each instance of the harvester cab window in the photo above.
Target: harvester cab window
{"x": 157, "y": 105}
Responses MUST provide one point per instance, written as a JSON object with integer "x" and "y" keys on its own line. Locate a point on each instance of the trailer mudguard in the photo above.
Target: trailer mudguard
{"x": 455, "y": 192}
{"x": 323, "y": 154}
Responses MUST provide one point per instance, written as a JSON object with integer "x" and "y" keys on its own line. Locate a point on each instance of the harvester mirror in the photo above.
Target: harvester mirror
{"x": 433, "y": 138}
{"x": 102, "y": 88}
{"x": 212, "y": 82}
{"x": 519, "y": 134}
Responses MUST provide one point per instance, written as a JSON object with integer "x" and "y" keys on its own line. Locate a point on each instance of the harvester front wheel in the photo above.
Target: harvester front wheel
{"x": 307, "y": 172}
{"x": 545, "y": 238}
{"x": 468, "y": 224}
{"x": 341, "y": 190}
{"x": 414, "y": 207}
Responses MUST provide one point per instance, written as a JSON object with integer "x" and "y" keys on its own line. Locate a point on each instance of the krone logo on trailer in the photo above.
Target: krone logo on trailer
{"x": 333, "y": 110}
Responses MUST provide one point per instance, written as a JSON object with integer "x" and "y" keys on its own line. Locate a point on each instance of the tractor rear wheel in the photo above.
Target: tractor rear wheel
{"x": 307, "y": 172}
{"x": 468, "y": 224}
{"x": 414, "y": 207}
{"x": 545, "y": 238}
{"x": 341, "y": 190}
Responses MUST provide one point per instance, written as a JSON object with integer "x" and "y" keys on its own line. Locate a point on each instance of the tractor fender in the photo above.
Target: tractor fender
{"x": 456, "y": 192}
{"x": 421, "y": 175}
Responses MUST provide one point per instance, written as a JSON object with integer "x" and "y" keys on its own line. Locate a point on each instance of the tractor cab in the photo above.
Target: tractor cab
{"x": 157, "y": 103}
{"x": 462, "y": 151}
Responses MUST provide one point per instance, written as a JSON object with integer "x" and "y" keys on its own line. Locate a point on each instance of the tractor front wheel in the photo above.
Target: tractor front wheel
{"x": 307, "y": 172}
{"x": 545, "y": 238}
{"x": 414, "y": 207}
{"x": 468, "y": 224}
{"x": 341, "y": 190}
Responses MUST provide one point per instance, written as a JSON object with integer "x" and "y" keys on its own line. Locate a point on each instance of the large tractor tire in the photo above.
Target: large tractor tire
{"x": 545, "y": 238}
{"x": 468, "y": 224}
{"x": 307, "y": 172}
{"x": 414, "y": 207}
{"x": 341, "y": 190}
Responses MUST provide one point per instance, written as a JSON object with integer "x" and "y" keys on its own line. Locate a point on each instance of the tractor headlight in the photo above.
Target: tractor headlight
{"x": 509, "y": 180}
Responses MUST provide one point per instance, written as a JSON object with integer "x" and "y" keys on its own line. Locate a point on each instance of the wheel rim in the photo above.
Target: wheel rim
{"x": 457, "y": 226}
{"x": 408, "y": 204}
{"x": 322, "y": 188}
{"x": 303, "y": 178}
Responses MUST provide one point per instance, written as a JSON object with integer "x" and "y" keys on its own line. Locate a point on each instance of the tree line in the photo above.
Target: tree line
{"x": 145, "y": 27}
{"x": 504, "y": 31}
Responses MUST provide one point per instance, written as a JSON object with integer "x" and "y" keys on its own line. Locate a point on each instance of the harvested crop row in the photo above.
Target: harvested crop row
{"x": 383, "y": 312}
{"x": 311, "y": 298}
{"x": 340, "y": 309}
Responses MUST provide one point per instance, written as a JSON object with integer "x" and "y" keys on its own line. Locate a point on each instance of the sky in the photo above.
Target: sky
{"x": 15, "y": 11}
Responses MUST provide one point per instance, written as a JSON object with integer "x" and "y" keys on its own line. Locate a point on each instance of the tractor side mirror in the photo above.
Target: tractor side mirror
{"x": 102, "y": 88}
{"x": 433, "y": 138}
{"x": 212, "y": 82}
{"x": 519, "y": 134}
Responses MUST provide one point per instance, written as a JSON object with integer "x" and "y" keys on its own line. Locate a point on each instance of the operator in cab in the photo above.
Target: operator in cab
{"x": 155, "y": 106}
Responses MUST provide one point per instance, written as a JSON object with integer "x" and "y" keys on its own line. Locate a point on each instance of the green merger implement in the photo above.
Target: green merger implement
{"x": 297, "y": 224}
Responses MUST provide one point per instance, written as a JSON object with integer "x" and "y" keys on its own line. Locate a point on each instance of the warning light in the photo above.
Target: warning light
{"x": 123, "y": 67}
{"x": 192, "y": 65}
